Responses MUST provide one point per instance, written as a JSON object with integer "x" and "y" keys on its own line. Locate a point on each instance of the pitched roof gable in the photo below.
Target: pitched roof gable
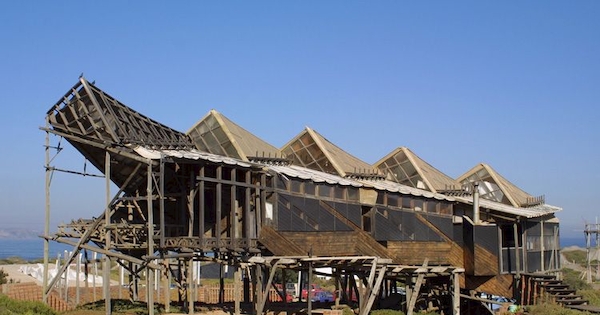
{"x": 403, "y": 166}
{"x": 311, "y": 150}
{"x": 495, "y": 187}
{"x": 217, "y": 134}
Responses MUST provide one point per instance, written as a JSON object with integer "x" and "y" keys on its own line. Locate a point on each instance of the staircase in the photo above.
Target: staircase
{"x": 547, "y": 287}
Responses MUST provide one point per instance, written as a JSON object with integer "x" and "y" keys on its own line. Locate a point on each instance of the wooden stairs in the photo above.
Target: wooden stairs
{"x": 544, "y": 287}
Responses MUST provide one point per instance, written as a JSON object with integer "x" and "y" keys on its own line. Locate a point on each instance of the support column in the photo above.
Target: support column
{"x": 415, "y": 293}
{"x": 108, "y": 229}
{"x": 221, "y": 283}
{"x": 237, "y": 279}
{"x": 455, "y": 293}
{"x": 543, "y": 247}
{"x": 373, "y": 288}
{"x": 190, "y": 286}
{"x": 47, "y": 220}
{"x": 309, "y": 286}
{"x": 149, "y": 271}
{"x": 517, "y": 280}
{"x": 167, "y": 285}
{"x": 246, "y": 284}
{"x": 258, "y": 290}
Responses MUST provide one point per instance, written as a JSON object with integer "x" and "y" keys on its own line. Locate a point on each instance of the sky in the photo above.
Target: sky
{"x": 514, "y": 84}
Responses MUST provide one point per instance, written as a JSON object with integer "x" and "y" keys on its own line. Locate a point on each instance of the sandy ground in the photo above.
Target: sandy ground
{"x": 14, "y": 273}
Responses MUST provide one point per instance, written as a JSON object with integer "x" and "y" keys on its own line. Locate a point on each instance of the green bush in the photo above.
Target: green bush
{"x": 122, "y": 306}
{"x": 573, "y": 279}
{"x": 386, "y": 312}
{"x": 14, "y": 307}
{"x": 593, "y": 296}
{"x": 12, "y": 260}
{"x": 3, "y": 277}
{"x": 577, "y": 256}
{"x": 551, "y": 309}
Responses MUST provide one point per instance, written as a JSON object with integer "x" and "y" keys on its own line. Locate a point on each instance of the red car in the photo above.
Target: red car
{"x": 314, "y": 289}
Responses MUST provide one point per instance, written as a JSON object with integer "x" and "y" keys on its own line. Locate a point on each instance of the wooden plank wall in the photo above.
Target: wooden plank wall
{"x": 498, "y": 285}
{"x": 324, "y": 243}
{"x": 414, "y": 253}
{"x": 278, "y": 244}
{"x": 486, "y": 263}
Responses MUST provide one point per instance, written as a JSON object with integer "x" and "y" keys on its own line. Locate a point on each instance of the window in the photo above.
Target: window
{"x": 366, "y": 219}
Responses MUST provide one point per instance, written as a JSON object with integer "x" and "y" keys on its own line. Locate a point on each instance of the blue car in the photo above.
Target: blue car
{"x": 323, "y": 296}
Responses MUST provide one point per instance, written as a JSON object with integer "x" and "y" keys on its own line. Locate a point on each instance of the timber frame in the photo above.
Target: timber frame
{"x": 177, "y": 204}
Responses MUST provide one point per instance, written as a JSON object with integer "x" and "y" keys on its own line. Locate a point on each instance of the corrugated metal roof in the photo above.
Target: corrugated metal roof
{"x": 320, "y": 177}
{"x": 408, "y": 190}
{"x": 189, "y": 154}
{"x": 313, "y": 175}
{"x": 292, "y": 171}
{"x": 529, "y": 212}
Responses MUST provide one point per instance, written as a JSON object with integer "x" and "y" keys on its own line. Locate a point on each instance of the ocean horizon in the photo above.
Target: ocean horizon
{"x": 33, "y": 248}
{"x": 30, "y": 248}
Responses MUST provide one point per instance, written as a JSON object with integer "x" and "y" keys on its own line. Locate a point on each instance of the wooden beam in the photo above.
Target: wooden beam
{"x": 415, "y": 292}
{"x": 374, "y": 291}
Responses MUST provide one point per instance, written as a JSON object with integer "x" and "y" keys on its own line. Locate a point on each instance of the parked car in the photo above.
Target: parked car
{"x": 277, "y": 298}
{"x": 323, "y": 296}
{"x": 314, "y": 288}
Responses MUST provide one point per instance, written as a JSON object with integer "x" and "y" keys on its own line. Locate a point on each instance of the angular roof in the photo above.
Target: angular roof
{"x": 311, "y": 150}
{"x": 405, "y": 167}
{"x": 493, "y": 186}
{"x": 90, "y": 113}
{"x": 216, "y": 134}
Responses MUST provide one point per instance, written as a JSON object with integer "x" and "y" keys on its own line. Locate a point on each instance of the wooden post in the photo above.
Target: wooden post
{"x": 373, "y": 289}
{"x": 408, "y": 284}
{"x": 236, "y": 289}
{"x": 221, "y": 284}
{"x": 201, "y": 201}
{"x": 107, "y": 245}
{"x": 218, "y": 205}
{"x": 246, "y": 271}
{"x": 77, "y": 273}
{"x": 337, "y": 288}
{"x": 149, "y": 271}
{"x": 190, "y": 284}
{"x": 258, "y": 290}
{"x": 309, "y": 285}
{"x": 455, "y": 293}
{"x": 167, "y": 285}
{"x": 284, "y": 284}
{"x": 47, "y": 218}
{"x": 517, "y": 280}
{"x": 415, "y": 294}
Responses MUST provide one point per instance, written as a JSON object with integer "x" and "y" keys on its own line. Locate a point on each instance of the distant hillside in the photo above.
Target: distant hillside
{"x": 19, "y": 233}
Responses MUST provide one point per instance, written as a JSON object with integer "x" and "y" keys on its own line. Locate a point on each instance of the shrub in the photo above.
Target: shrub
{"x": 551, "y": 309}
{"x": 3, "y": 277}
{"x": 386, "y": 312}
{"x": 593, "y": 296}
{"x": 577, "y": 256}
{"x": 14, "y": 307}
{"x": 573, "y": 279}
{"x": 121, "y": 306}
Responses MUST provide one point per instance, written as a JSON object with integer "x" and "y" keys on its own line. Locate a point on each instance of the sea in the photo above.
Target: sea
{"x": 32, "y": 249}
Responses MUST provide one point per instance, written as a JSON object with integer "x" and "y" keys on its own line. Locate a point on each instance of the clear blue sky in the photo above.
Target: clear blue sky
{"x": 514, "y": 84}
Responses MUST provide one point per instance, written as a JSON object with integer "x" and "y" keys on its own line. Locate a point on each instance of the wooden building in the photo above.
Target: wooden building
{"x": 220, "y": 193}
